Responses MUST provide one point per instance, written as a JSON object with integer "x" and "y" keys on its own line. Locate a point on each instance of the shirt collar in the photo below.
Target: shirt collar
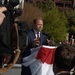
{"x": 36, "y": 33}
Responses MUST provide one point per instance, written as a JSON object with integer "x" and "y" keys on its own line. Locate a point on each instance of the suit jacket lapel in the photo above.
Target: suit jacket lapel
{"x": 41, "y": 38}
{"x": 33, "y": 34}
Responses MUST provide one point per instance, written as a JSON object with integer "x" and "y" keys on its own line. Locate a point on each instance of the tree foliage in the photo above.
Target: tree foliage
{"x": 30, "y": 12}
{"x": 55, "y": 24}
{"x": 70, "y": 15}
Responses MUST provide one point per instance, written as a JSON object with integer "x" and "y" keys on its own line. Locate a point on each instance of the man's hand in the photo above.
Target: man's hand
{"x": 36, "y": 42}
{"x": 50, "y": 42}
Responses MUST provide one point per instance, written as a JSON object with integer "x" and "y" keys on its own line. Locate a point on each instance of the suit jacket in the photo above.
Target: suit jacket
{"x": 31, "y": 37}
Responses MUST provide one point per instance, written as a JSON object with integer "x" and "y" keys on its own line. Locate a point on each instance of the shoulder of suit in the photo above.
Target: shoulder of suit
{"x": 44, "y": 33}
{"x": 31, "y": 30}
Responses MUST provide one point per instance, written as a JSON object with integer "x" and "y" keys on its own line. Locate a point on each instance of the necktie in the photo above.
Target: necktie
{"x": 38, "y": 39}
{"x": 38, "y": 35}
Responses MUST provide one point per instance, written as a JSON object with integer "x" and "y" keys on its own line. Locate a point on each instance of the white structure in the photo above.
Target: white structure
{"x": 21, "y": 3}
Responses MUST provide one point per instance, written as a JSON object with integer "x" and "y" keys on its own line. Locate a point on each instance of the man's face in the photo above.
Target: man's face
{"x": 39, "y": 25}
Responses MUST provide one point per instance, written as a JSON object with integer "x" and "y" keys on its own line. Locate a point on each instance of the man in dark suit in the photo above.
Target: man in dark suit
{"x": 64, "y": 60}
{"x": 35, "y": 38}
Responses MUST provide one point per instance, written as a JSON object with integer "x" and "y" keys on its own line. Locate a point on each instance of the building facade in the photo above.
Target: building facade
{"x": 61, "y": 4}
{"x": 36, "y": 1}
{"x": 65, "y": 4}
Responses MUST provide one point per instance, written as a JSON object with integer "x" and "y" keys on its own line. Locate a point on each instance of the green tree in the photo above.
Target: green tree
{"x": 70, "y": 15}
{"x": 45, "y": 6}
{"x": 55, "y": 24}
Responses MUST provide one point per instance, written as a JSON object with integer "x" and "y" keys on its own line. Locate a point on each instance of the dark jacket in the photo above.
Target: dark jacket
{"x": 31, "y": 37}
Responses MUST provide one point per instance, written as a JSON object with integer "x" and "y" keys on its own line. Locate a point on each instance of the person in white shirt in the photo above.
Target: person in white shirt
{"x": 35, "y": 38}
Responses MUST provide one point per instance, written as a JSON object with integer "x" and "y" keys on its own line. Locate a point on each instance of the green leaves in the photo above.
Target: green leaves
{"x": 55, "y": 24}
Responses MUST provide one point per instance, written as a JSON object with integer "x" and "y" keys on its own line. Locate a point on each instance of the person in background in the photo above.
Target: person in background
{"x": 35, "y": 39}
{"x": 64, "y": 60}
{"x": 35, "y": 36}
